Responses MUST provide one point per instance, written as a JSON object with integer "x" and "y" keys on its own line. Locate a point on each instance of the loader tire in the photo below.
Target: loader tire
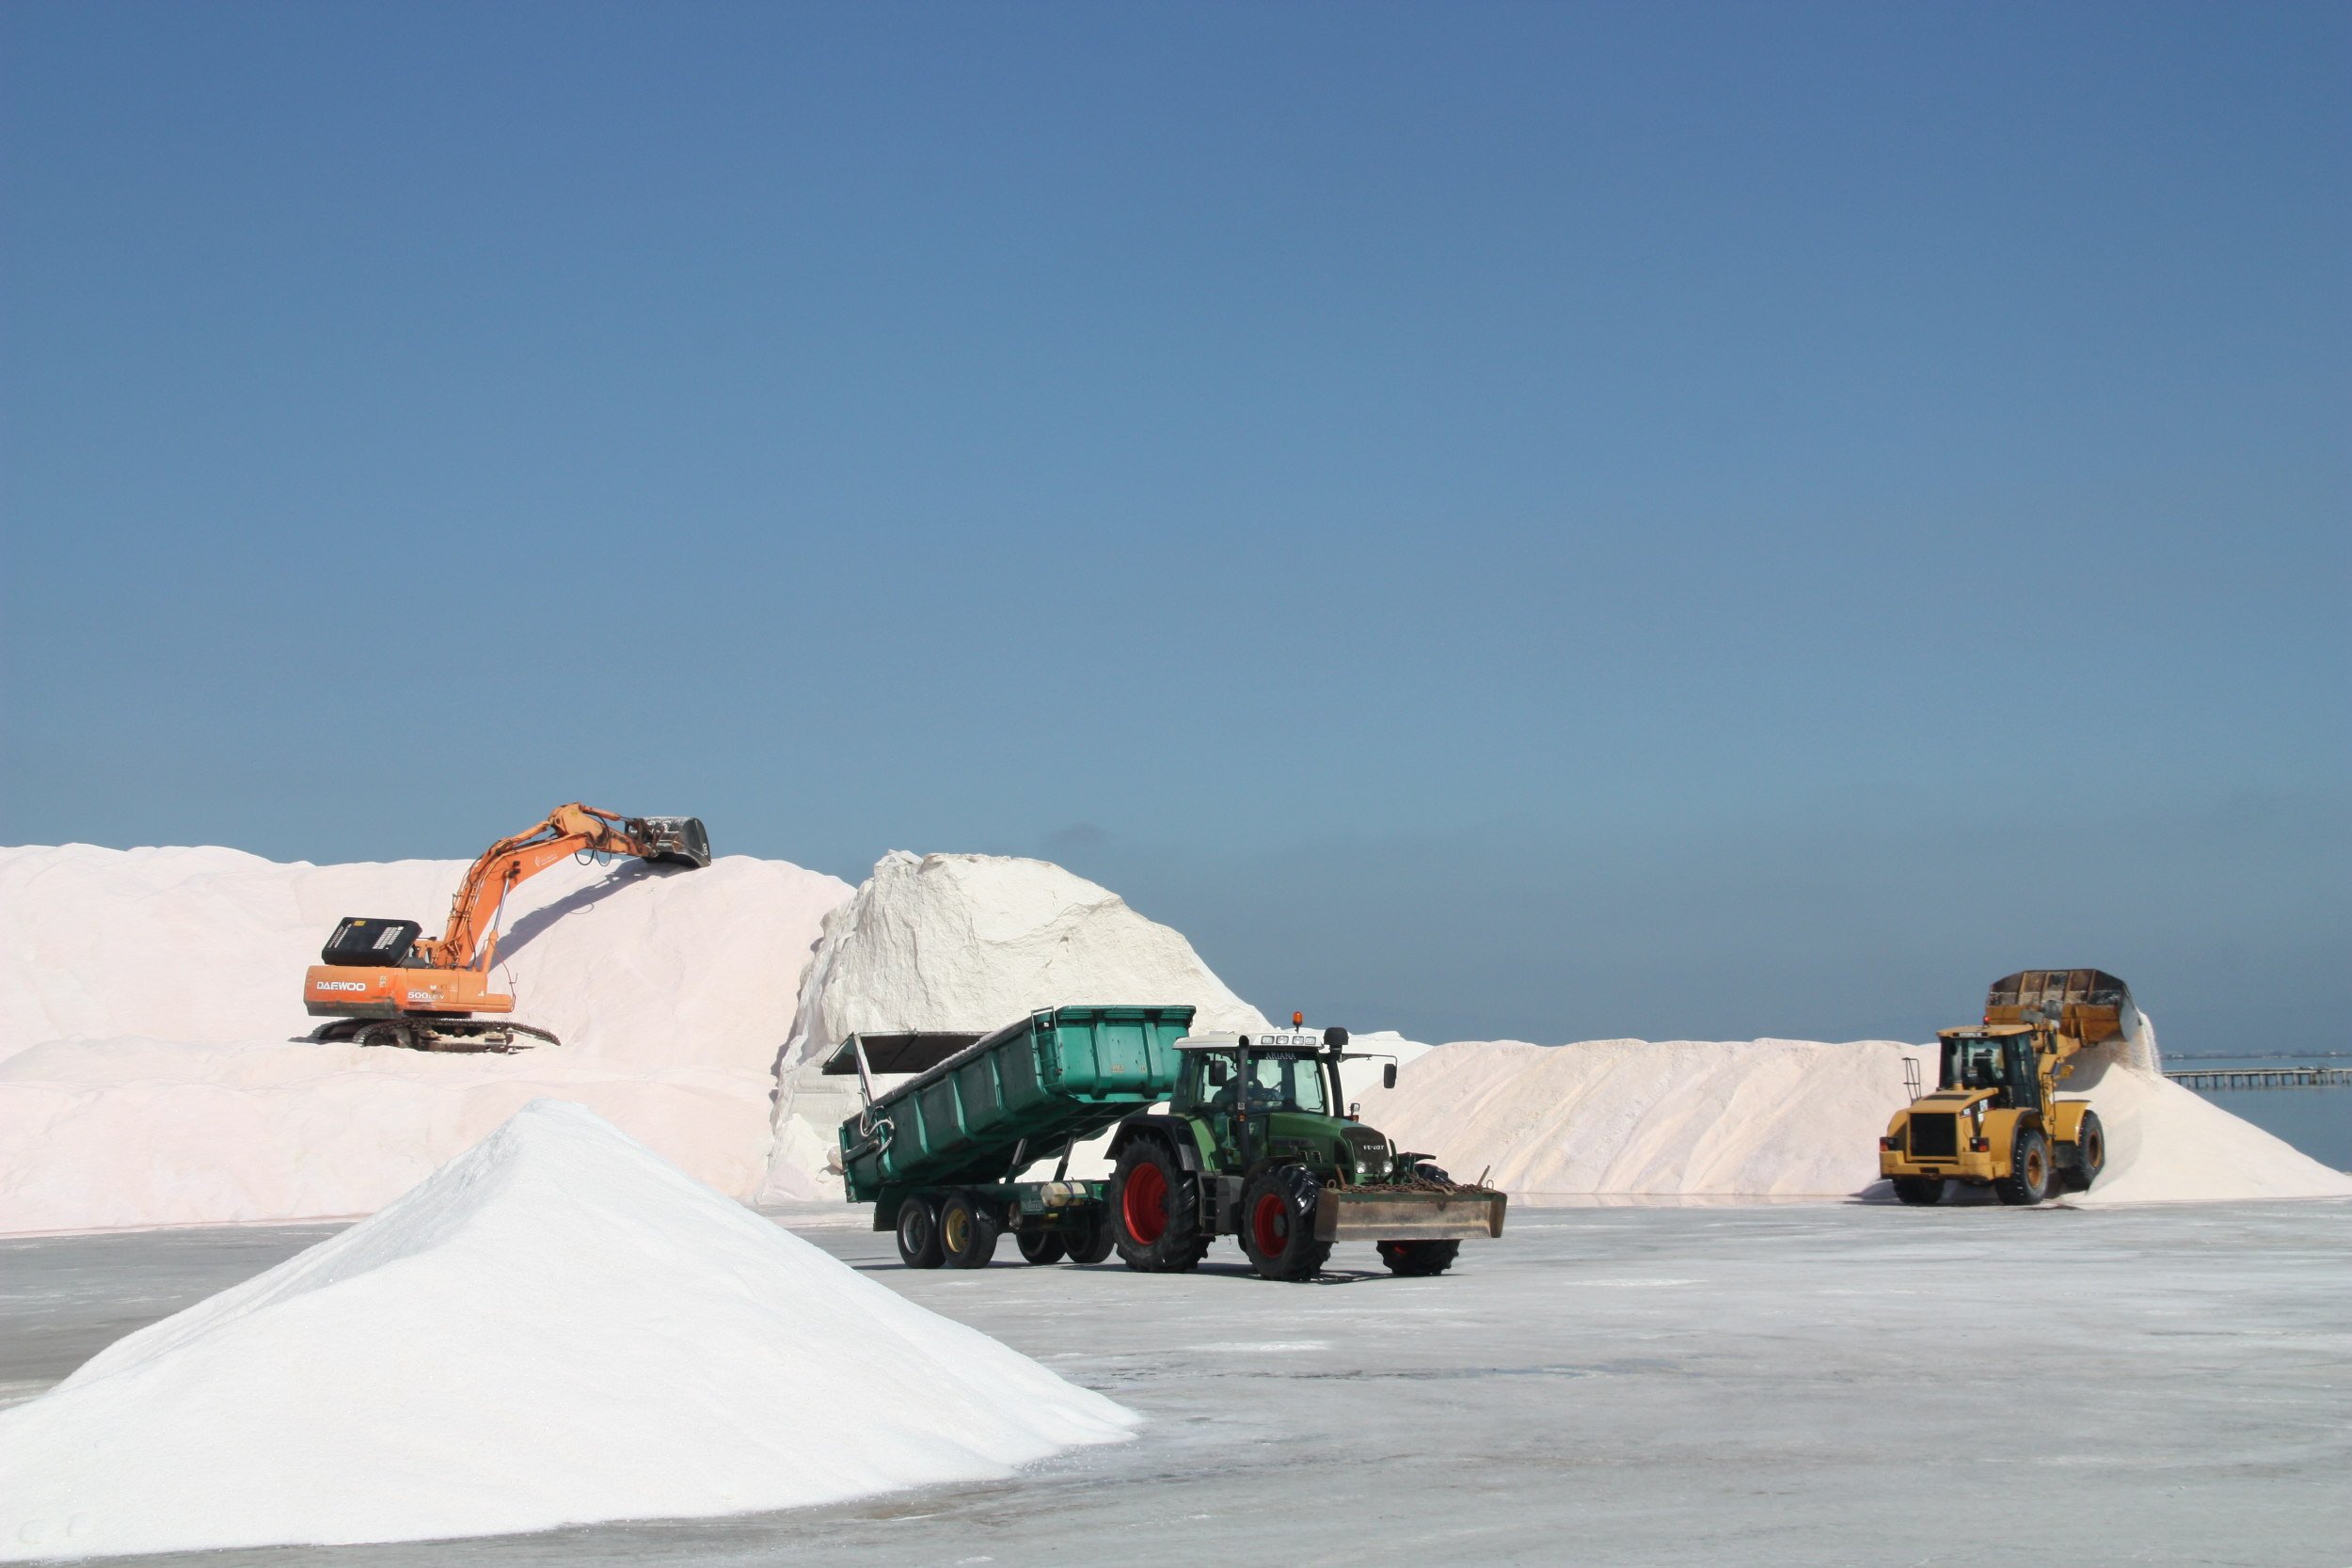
{"x": 2089, "y": 1157}
{"x": 1277, "y": 1223}
{"x": 1040, "y": 1246}
{"x": 1919, "y": 1189}
{"x": 1154, "y": 1219}
{"x": 918, "y": 1234}
{"x": 967, "y": 1232}
{"x": 2028, "y": 1178}
{"x": 1413, "y": 1259}
{"x": 1088, "y": 1234}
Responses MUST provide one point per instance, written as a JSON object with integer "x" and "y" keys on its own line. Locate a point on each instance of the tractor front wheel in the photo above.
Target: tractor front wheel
{"x": 2029, "y": 1178}
{"x": 1277, "y": 1223}
{"x": 1413, "y": 1259}
{"x": 918, "y": 1234}
{"x": 1919, "y": 1189}
{"x": 1155, "y": 1220}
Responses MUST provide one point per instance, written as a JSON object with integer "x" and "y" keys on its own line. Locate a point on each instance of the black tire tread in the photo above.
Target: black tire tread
{"x": 1180, "y": 1246}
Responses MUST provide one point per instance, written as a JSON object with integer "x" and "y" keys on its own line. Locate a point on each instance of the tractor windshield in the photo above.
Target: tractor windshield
{"x": 1287, "y": 1082}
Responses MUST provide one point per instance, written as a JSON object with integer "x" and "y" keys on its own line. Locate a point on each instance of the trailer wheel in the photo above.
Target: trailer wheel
{"x": 1154, "y": 1222}
{"x": 2091, "y": 1155}
{"x": 1088, "y": 1234}
{"x": 1919, "y": 1189}
{"x": 2029, "y": 1178}
{"x": 1414, "y": 1258}
{"x": 967, "y": 1232}
{"x": 1277, "y": 1223}
{"x": 918, "y": 1234}
{"x": 1040, "y": 1246}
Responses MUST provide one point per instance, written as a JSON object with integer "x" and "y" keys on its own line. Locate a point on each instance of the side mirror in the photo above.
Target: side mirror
{"x": 1388, "y": 1076}
{"x": 1221, "y": 1072}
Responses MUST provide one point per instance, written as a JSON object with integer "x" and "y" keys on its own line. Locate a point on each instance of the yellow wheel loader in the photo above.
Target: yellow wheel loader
{"x": 1995, "y": 1118}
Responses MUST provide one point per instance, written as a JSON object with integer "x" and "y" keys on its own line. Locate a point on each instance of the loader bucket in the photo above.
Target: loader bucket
{"x": 677, "y": 840}
{"x": 1407, "y": 1213}
{"x": 2088, "y": 1004}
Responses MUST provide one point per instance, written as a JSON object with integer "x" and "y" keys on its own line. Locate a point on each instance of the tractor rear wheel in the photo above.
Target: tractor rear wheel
{"x": 1040, "y": 1246}
{"x": 1919, "y": 1189}
{"x": 918, "y": 1234}
{"x": 967, "y": 1232}
{"x": 1414, "y": 1258}
{"x": 2089, "y": 1155}
{"x": 1088, "y": 1234}
{"x": 1155, "y": 1221}
{"x": 1277, "y": 1223}
{"x": 2029, "y": 1178}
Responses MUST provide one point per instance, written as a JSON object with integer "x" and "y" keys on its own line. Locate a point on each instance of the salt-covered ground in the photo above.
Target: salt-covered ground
{"x": 1796, "y": 1384}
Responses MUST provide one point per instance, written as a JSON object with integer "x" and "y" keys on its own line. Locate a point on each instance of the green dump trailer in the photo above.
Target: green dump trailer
{"x": 937, "y": 1155}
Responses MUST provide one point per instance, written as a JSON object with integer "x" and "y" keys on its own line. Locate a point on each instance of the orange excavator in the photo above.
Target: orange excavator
{"x": 383, "y": 982}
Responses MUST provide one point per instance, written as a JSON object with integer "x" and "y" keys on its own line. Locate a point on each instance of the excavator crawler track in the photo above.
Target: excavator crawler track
{"x": 458, "y": 1035}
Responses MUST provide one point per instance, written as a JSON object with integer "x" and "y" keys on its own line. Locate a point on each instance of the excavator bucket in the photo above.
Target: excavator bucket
{"x": 674, "y": 840}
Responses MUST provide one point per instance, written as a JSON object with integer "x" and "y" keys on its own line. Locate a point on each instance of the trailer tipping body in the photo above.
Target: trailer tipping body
{"x": 979, "y": 1108}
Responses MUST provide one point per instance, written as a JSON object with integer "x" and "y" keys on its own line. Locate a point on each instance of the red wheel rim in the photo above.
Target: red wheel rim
{"x": 1270, "y": 1223}
{"x": 1143, "y": 1204}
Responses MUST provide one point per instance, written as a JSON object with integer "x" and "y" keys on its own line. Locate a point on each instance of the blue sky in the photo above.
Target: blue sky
{"x": 1554, "y": 521}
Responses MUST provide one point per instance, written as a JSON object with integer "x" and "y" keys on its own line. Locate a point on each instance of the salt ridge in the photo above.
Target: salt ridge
{"x": 1793, "y": 1118}
{"x": 152, "y": 1070}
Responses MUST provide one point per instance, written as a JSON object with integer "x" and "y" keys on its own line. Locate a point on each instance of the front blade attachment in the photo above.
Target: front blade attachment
{"x": 1420, "y": 1213}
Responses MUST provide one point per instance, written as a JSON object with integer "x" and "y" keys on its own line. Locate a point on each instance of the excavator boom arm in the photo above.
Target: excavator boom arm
{"x": 568, "y": 829}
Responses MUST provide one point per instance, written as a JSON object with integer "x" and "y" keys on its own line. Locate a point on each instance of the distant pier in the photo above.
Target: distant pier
{"x": 2264, "y": 1078}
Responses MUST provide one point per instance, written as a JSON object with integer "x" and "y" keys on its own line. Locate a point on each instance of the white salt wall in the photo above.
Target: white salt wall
{"x": 967, "y": 942}
{"x": 1787, "y": 1118}
{"x": 151, "y": 1069}
{"x": 1754, "y": 1117}
{"x": 558, "y": 1327}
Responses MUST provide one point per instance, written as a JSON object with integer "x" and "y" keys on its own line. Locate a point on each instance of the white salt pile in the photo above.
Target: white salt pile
{"x": 557, "y": 1328}
{"x": 152, "y": 1070}
{"x": 1785, "y": 1118}
{"x": 1754, "y": 1117}
{"x": 966, "y": 943}
{"x": 2166, "y": 1144}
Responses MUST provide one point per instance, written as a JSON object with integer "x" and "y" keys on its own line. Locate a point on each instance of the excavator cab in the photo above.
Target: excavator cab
{"x": 362, "y": 942}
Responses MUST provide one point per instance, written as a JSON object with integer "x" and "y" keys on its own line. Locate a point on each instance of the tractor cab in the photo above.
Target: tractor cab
{"x": 1222, "y": 1074}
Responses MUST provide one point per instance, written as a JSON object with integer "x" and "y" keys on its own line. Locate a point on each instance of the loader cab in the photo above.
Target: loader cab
{"x": 1998, "y": 1059}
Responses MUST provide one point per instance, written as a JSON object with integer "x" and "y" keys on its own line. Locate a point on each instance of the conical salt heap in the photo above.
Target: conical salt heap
{"x": 558, "y": 1326}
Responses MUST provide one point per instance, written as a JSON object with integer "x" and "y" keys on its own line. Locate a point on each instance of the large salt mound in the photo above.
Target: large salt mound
{"x": 2166, "y": 1144}
{"x": 151, "y": 1071}
{"x": 557, "y": 1328}
{"x": 1785, "y": 1119}
{"x": 967, "y": 942}
{"x": 1752, "y": 1118}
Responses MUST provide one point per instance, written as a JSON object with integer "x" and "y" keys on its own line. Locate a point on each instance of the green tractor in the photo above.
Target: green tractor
{"x": 1254, "y": 1144}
